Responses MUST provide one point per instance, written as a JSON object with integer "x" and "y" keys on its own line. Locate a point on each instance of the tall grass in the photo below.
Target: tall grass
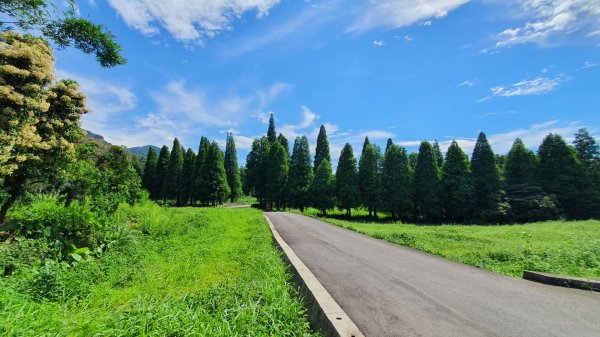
{"x": 170, "y": 272}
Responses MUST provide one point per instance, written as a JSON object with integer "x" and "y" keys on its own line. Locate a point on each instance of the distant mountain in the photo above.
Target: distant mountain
{"x": 139, "y": 152}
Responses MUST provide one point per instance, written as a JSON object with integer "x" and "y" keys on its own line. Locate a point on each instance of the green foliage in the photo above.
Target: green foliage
{"x": 160, "y": 179}
{"x": 557, "y": 247}
{"x": 520, "y": 164}
{"x": 201, "y": 191}
{"x": 256, "y": 166}
{"x": 323, "y": 187}
{"x": 457, "y": 192}
{"x": 427, "y": 185}
{"x": 215, "y": 178}
{"x": 397, "y": 182}
{"x": 587, "y": 147}
{"x": 64, "y": 29}
{"x": 232, "y": 169}
{"x": 150, "y": 170}
{"x": 530, "y": 203}
{"x": 368, "y": 177}
{"x": 439, "y": 157}
{"x": 487, "y": 182}
{"x": 346, "y": 180}
{"x": 300, "y": 174}
{"x": 271, "y": 133}
{"x": 221, "y": 277}
{"x": 276, "y": 175}
{"x": 284, "y": 142}
{"x": 174, "y": 180}
{"x": 187, "y": 177}
{"x": 322, "y": 149}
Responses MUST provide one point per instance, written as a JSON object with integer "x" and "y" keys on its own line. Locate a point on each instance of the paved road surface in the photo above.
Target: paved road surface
{"x": 390, "y": 290}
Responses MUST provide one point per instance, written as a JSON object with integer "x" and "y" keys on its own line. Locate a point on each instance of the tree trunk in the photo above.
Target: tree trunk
{"x": 370, "y": 212}
{"x": 14, "y": 187}
{"x": 324, "y": 211}
{"x": 375, "y": 212}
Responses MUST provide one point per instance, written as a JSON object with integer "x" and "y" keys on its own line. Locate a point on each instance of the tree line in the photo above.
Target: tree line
{"x": 209, "y": 177}
{"x": 560, "y": 180}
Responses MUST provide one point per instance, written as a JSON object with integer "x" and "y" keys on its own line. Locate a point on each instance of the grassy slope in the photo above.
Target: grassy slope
{"x": 194, "y": 272}
{"x": 560, "y": 247}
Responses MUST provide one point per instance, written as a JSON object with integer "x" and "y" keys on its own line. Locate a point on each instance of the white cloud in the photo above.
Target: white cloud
{"x": 400, "y": 13}
{"x": 538, "y": 86}
{"x": 308, "y": 117}
{"x": 425, "y": 23}
{"x": 588, "y": 64}
{"x": 378, "y": 43}
{"x": 468, "y": 83}
{"x": 551, "y": 21}
{"x": 188, "y": 20}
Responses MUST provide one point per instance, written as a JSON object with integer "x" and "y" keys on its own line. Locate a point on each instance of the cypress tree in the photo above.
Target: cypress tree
{"x": 589, "y": 155}
{"x": 520, "y": 164}
{"x": 388, "y": 144}
{"x": 256, "y": 164}
{"x": 559, "y": 173}
{"x": 149, "y": 171}
{"x": 412, "y": 160}
{"x": 187, "y": 176}
{"x": 396, "y": 182}
{"x": 276, "y": 175}
{"x": 322, "y": 149}
{"x": 232, "y": 169}
{"x": 323, "y": 187}
{"x": 271, "y": 134}
{"x": 346, "y": 180}
{"x": 284, "y": 142}
{"x": 457, "y": 191}
{"x": 365, "y": 143}
{"x": 427, "y": 184}
{"x": 162, "y": 166}
{"x": 486, "y": 177}
{"x": 368, "y": 179}
{"x": 200, "y": 191}
{"x": 300, "y": 174}
{"x": 438, "y": 154}
{"x": 587, "y": 148}
{"x": 214, "y": 176}
{"x": 527, "y": 200}
{"x": 173, "y": 182}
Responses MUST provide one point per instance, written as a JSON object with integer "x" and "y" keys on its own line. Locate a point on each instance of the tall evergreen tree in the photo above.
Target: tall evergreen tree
{"x": 427, "y": 185}
{"x": 173, "y": 182}
{"x": 300, "y": 174}
{"x": 520, "y": 164}
{"x": 149, "y": 171}
{"x": 396, "y": 182}
{"x": 527, "y": 200}
{"x": 365, "y": 143}
{"x": 187, "y": 176}
{"x": 559, "y": 173}
{"x": 412, "y": 160}
{"x": 232, "y": 169}
{"x": 322, "y": 149}
{"x": 368, "y": 178}
{"x": 200, "y": 191}
{"x": 215, "y": 177}
{"x": 271, "y": 134}
{"x": 284, "y": 142}
{"x": 323, "y": 187}
{"x": 346, "y": 181}
{"x": 487, "y": 180}
{"x": 388, "y": 144}
{"x": 162, "y": 166}
{"x": 587, "y": 147}
{"x": 457, "y": 191}
{"x": 438, "y": 154}
{"x": 256, "y": 164}
{"x": 277, "y": 176}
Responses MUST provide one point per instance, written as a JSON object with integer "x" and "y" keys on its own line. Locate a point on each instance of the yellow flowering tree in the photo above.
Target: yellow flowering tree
{"x": 39, "y": 118}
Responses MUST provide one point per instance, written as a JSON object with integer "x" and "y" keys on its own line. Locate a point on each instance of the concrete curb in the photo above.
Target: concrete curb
{"x": 325, "y": 314}
{"x": 563, "y": 281}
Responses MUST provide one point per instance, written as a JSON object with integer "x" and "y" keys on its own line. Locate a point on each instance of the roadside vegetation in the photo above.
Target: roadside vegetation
{"x": 157, "y": 272}
{"x": 558, "y": 247}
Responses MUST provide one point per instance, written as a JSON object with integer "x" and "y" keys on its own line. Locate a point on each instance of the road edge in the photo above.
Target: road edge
{"x": 562, "y": 281}
{"x": 325, "y": 314}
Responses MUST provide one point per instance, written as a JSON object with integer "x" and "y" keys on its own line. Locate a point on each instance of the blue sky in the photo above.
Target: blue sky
{"x": 406, "y": 69}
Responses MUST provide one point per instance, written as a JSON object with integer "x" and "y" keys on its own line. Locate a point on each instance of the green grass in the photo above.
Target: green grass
{"x": 559, "y": 247}
{"x": 178, "y": 272}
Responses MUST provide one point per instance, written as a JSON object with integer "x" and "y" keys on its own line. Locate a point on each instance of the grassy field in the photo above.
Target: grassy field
{"x": 174, "y": 272}
{"x": 559, "y": 247}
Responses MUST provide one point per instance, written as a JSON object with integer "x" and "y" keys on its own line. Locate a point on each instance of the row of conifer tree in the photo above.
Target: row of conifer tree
{"x": 560, "y": 180}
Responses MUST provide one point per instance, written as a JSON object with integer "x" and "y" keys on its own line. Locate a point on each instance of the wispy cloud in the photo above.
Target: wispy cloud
{"x": 468, "y": 83}
{"x": 589, "y": 64}
{"x": 537, "y": 86}
{"x": 551, "y": 21}
{"x": 378, "y": 43}
{"x": 392, "y": 14}
{"x": 188, "y": 20}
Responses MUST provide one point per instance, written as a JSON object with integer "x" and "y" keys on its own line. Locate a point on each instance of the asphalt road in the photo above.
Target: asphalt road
{"x": 390, "y": 290}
